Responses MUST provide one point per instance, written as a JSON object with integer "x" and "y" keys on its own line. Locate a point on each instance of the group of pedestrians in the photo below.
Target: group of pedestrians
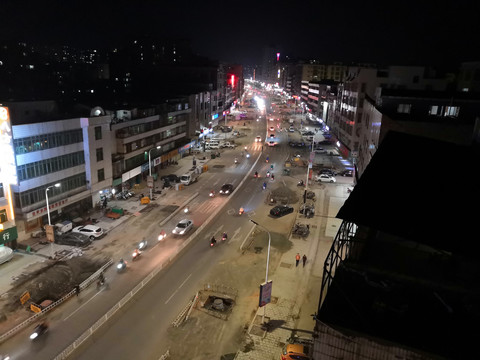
{"x": 297, "y": 259}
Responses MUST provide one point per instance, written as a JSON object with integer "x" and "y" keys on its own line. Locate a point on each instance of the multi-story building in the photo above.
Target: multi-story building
{"x": 88, "y": 153}
{"x": 363, "y": 81}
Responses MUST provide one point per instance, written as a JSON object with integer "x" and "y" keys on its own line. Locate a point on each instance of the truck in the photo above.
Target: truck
{"x": 189, "y": 177}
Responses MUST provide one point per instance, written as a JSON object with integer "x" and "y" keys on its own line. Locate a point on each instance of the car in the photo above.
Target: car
{"x": 258, "y": 138}
{"x": 226, "y": 189}
{"x": 281, "y": 210}
{"x": 92, "y": 231}
{"x": 347, "y": 172}
{"x": 295, "y": 352}
{"x": 327, "y": 171}
{"x": 320, "y": 151}
{"x": 272, "y": 135}
{"x": 6, "y": 254}
{"x": 170, "y": 178}
{"x": 291, "y": 129}
{"x": 183, "y": 227}
{"x": 271, "y": 128}
{"x": 325, "y": 178}
{"x": 271, "y": 143}
{"x": 73, "y": 239}
{"x": 235, "y": 133}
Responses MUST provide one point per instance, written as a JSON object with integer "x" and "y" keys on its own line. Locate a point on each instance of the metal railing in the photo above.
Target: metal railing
{"x": 38, "y": 315}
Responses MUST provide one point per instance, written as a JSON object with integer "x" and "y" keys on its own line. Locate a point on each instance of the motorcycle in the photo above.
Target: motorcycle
{"x": 268, "y": 174}
{"x": 264, "y": 186}
{"x": 248, "y": 155}
{"x": 236, "y": 161}
{"x": 136, "y": 254}
{"x": 122, "y": 265}
{"x": 224, "y": 236}
{"x": 213, "y": 242}
{"x": 301, "y": 183}
{"x": 142, "y": 244}
{"x": 266, "y": 160}
{"x": 186, "y": 210}
{"x": 241, "y": 211}
{"x": 162, "y": 235}
{"x": 39, "y": 330}
{"x": 255, "y": 175}
{"x": 212, "y": 194}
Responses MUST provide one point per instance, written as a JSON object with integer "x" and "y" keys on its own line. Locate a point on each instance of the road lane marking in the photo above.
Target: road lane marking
{"x": 183, "y": 283}
{"x": 78, "y": 308}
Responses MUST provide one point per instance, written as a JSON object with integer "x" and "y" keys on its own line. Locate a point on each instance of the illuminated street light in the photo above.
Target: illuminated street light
{"x": 150, "y": 169}
{"x": 268, "y": 258}
{"x": 48, "y": 213}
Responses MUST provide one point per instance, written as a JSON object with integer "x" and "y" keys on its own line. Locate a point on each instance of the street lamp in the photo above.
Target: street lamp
{"x": 48, "y": 211}
{"x": 268, "y": 258}
{"x": 150, "y": 169}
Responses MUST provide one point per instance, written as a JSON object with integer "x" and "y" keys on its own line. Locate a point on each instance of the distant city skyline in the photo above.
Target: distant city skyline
{"x": 377, "y": 32}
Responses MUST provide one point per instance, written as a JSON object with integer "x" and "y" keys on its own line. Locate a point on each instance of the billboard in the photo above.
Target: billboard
{"x": 265, "y": 293}
{"x": 8, "y": 169}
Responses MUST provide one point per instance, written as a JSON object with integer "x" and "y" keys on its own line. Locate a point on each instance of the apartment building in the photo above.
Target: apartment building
{"x": 88, "y": 152}
{"x": 363, "y": 81}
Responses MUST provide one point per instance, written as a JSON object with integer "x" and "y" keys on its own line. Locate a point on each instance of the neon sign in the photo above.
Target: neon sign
{"x": 8, "y": 168}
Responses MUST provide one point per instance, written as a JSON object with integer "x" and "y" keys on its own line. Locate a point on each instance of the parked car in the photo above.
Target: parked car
{"x": 6, "y": 254}
{"x": 295, "y": 352}
{"x": 327, "y": 171}
{"x": 170, "y": 178}
{"x": 92, "y": 231}
{"x": 226, "y": 189}
{"x": 183, "y": 227}
{"x": 281, "y": 210}
{"x": 325, "y": 178}
{"x": 346, "y": 173}
{"x": 73, "y": 239}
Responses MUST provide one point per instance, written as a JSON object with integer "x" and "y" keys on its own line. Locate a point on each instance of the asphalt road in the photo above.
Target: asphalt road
{"x": 165, "y": 296}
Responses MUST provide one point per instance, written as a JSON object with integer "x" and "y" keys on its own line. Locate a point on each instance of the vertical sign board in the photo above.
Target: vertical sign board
{"x": 265, "y": 293}
{"x": 8, "y": 168}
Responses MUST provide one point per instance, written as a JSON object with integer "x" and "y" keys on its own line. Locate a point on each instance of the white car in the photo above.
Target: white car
{"x": 182, "y": 227}
{"x": 325, "y": 178}
{"x": 92, "y": 231}
{"x": 6, "y": 254}
{"x": 258, "y": 139}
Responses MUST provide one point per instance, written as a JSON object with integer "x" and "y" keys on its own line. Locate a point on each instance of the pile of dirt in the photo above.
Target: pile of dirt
{"x": 51, "y": 282}
{"x": 282, "y": 194}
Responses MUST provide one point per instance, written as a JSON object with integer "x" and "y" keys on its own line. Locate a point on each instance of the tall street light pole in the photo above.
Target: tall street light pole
{"x": 150, "y": 169}
{"x": 48, "y": 211}
{"x": 268, "y": 258}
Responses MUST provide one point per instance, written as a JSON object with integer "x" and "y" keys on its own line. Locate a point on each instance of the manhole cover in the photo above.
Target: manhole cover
{"x": 286, "y": 265}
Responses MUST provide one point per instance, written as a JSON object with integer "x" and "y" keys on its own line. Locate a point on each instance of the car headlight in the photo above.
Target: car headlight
{"x": 174, "y": 231}
{"x": 182, "y": 232}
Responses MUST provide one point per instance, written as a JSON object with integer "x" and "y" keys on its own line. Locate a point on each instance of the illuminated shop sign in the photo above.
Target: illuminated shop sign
{"x": 8, "y": 170}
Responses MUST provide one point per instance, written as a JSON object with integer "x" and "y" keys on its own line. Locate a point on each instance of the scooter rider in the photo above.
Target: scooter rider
{"x": 213, "y": 241}
{"x": 256, "y": 173}
{"x": 224, "y": 236}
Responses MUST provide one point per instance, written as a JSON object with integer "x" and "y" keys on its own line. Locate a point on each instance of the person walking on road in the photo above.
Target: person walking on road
{"x": 297, "y": 259}
{"x": 304, "y": 259}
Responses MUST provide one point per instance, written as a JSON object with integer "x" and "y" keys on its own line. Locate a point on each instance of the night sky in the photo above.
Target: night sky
{"x": 384, "y": 32}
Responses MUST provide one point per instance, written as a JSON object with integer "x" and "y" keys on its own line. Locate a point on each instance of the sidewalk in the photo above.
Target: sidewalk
{"x": 295, "y": 291}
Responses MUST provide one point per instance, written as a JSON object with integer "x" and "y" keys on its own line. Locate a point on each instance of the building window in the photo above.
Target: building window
{"x": 452, "y": 111}
{"x": 435, "y": 110}
{"x": 2, "y": 193}
{"x": 99, "y": 154}
{"x": 3, "y": 216}
{"x": 101, "y": 175}
{"x": 404, "y": 108}
{"x": 98, "y": 132}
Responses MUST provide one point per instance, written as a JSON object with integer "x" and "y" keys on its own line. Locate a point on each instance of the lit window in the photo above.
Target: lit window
{"x": 404, "y": 108}
{"x": 452, "y": 111}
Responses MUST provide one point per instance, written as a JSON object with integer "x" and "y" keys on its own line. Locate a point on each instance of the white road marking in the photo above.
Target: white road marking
{"x": 183, "y": 283}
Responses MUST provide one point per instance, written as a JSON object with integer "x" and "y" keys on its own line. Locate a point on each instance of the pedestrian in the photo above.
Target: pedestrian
{"x": 308, "y": 227}
{"x": 304, "y": 259}
{"x": 297, "y": 259}
{"x": 77, "y": 289}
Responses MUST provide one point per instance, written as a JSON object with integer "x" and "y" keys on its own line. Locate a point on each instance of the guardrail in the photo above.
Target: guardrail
{"x": 38, "y": 315}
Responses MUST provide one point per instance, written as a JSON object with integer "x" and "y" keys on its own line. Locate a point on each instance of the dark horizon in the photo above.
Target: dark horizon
{"x": 412, "y": 34}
